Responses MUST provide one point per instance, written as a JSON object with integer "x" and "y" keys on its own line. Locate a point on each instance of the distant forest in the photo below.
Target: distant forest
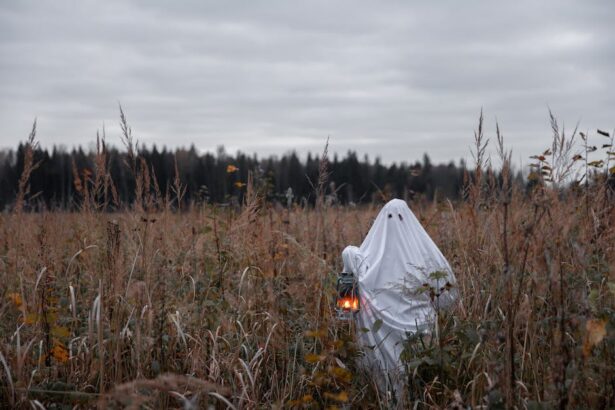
{"x": 57, "y": 182}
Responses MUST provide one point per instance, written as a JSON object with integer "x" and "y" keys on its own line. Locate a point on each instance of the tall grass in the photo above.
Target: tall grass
{"x": 154, "y": 305}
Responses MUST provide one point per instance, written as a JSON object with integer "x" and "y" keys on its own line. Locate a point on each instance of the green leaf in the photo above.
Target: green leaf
{"x": 596, "y": 164}
{"x": 536, "y": 405}
{"x": 377, "y": 325}
{"x": 439, "y": 274}
{"x": 593, "y": 299}
{"x": 60, "y": 331}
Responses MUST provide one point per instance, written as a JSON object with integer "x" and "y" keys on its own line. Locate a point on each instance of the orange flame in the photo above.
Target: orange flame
{"x": 348, "y": 303}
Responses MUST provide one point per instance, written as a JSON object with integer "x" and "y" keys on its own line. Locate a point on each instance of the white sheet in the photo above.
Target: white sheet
{"x": 394, "y": 260}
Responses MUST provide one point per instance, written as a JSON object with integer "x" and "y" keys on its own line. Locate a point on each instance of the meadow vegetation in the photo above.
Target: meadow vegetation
{"x": 170, "y": 305}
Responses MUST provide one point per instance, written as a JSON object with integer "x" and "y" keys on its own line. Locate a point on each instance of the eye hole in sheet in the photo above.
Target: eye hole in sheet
{"x": 401, "y": 218}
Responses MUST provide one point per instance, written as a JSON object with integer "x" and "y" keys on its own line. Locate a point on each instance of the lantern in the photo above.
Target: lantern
{"x": 347, "y": 302}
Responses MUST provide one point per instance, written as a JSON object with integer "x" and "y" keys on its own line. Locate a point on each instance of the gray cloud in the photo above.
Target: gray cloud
{"x": 394, "y": 79}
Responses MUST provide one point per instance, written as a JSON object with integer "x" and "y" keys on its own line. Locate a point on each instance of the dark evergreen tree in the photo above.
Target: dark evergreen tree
{"x": 220, "y": 177}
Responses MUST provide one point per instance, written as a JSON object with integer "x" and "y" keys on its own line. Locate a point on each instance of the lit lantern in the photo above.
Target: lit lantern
{"x": 347, "y": 302}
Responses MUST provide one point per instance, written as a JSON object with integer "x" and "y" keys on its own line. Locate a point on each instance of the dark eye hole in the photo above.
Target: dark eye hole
{"x": 390, "y": 215}
{"x": 401, "y": 218}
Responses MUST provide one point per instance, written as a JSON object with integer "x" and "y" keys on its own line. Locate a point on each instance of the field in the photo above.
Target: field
{"x": 231, "y": 306}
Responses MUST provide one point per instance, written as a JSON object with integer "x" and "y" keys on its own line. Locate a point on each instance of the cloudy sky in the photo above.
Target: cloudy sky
{"x": 388, "y": 78}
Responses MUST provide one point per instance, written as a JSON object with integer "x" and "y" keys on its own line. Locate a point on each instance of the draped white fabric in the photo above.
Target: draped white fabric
{"x": 394, "y": 261}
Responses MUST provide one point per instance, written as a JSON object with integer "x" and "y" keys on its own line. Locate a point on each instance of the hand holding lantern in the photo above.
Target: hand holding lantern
{"x": 347, "y": 300}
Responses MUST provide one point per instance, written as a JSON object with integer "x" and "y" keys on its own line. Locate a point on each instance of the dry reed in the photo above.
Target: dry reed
{"x": 231, "y": 307}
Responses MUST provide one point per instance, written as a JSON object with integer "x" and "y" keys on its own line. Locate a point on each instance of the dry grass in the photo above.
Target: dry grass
{"x": 232, "y": 307}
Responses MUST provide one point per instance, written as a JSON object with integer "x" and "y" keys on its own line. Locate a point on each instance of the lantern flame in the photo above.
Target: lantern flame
{"x": 349, "y": 303}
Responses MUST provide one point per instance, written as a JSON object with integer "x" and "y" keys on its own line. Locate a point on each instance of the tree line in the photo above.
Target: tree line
{"x": 61, "y": 176}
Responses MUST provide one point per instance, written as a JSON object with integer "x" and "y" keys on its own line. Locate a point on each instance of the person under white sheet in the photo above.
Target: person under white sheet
{"x": 393, "y": 262}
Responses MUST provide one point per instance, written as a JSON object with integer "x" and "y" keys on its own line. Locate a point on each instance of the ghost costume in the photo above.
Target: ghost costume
{"x": 393, "y": 262}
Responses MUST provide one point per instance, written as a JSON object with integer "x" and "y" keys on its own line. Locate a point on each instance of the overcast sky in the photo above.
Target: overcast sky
{"x": 388, "y": 78}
